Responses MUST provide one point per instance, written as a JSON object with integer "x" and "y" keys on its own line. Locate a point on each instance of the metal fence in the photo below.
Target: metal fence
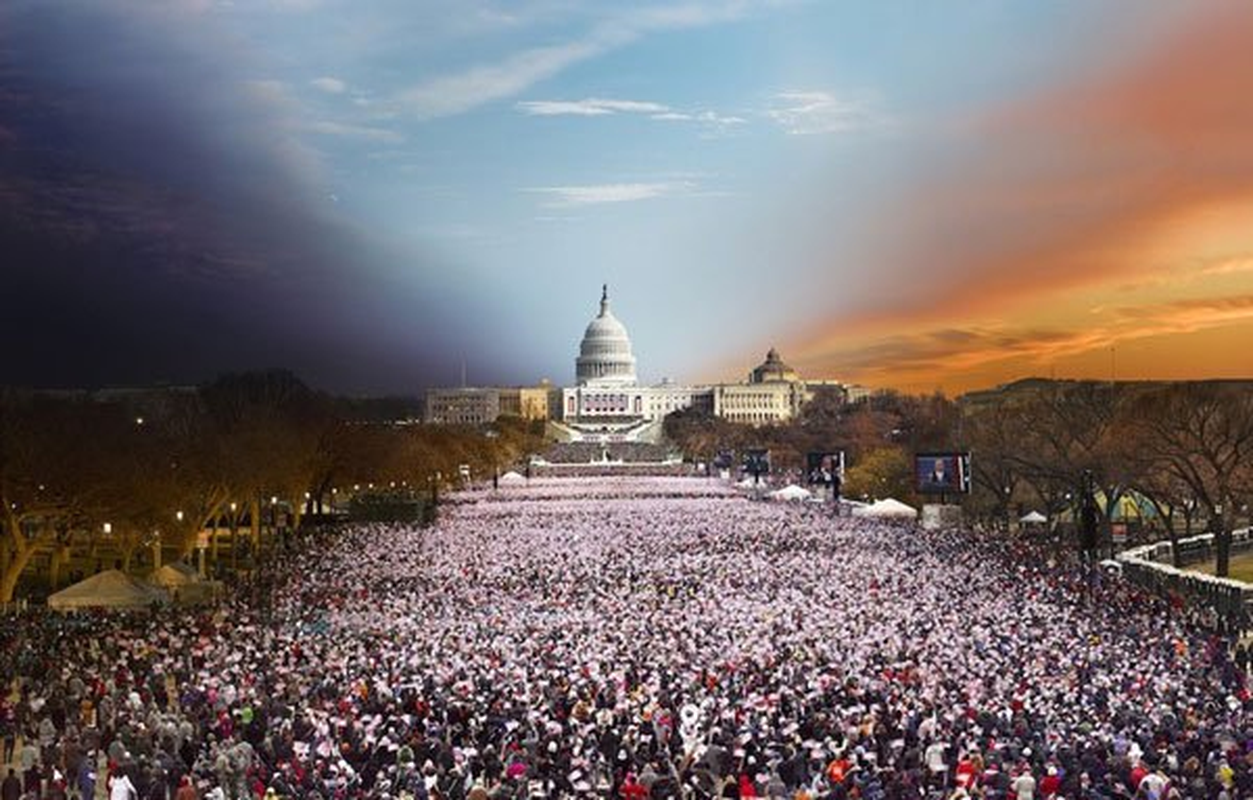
{"x": 1152, "y": 566}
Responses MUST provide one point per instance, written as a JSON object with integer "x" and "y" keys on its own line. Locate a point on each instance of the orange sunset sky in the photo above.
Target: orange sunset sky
{"x": 1100, "y": 226}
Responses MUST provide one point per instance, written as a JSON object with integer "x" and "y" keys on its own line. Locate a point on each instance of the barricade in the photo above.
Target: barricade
{"x": 1152, "y": 567}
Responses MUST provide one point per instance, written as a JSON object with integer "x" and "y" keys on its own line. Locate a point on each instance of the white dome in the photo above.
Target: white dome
{"x": 605, "y": 353}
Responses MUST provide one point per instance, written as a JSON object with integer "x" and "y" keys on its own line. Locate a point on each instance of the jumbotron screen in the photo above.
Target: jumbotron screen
{"x": 757, "y": 462}
{"x": 824, "y": 468}
{"x": 942, "y": 473}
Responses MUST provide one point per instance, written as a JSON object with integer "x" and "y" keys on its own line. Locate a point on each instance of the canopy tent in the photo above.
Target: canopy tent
{"x": 174, "y": 575}
{"x": 109, "y": 589}
{"x": 185, "y": 584}
{"x": 1033, "y": 518}
{"x": 511, "y": 477}
{"x": 887, "y": 509}
{"x": 791, "y": 492}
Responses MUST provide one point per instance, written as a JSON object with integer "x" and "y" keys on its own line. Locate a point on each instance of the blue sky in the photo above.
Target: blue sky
{"x": 741, "y": 173}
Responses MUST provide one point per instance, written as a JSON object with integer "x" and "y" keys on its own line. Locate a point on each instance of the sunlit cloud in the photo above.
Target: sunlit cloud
{"x": 1029, "y": 349}
{"x": 1226, "y": 266}
{"x": 1067, "y": 194}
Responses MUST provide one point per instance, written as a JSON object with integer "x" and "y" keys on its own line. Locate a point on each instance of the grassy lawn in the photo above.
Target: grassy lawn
{"x": 1241, "y": 567}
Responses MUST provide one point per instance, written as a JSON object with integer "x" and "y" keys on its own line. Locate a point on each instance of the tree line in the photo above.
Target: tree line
{"x": 1183, "y": 449}
{"x": 154, "y": 468}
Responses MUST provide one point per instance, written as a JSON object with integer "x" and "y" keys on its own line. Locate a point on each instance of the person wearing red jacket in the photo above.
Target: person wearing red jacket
{"x": 967, "y": 773}
{"x": 1051, "y": 783}
{"x": 747, "y": 788}
{"x": 632, "y": 789}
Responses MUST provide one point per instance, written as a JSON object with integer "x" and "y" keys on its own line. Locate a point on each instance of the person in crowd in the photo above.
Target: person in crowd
{"x": 641, "y": 638}
{"x": 11, "y": 787}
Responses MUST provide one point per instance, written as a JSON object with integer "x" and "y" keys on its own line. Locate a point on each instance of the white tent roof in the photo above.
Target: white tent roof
{"x": 1033, "y": 516}
{"x": 172, "y": 575}
{"x": 109, "y": 589}
{"x": 791, "y": 492}
{"x": 889, "y": 508}
{"x": 511, "y": 477}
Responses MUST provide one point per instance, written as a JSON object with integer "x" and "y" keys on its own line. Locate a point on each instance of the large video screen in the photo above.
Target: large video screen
{"x": 823, "y": 469}
{"x": 757, "y": 462}
{"x": 942, "y": 473}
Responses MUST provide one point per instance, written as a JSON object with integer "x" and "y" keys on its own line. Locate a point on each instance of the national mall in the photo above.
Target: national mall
{"x": 608, "y": 404}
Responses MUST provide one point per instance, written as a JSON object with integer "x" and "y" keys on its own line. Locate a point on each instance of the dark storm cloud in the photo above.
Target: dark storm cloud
{"x": 160, "y": 221}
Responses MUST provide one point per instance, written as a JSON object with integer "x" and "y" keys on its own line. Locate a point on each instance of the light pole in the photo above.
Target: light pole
{"x": 1009, "y": 516}
{"x": 274, "y": 527}
{"x": 234, "y": 536}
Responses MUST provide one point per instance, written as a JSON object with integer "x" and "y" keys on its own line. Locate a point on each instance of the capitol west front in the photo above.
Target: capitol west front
{"x": 608, "y": 404}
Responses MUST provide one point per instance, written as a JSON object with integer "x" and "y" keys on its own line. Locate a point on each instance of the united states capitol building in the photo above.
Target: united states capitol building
{"x": 608, "y": 404}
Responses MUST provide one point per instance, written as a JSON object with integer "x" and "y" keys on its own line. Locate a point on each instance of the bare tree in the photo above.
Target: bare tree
{"x": 1201, "y": 435}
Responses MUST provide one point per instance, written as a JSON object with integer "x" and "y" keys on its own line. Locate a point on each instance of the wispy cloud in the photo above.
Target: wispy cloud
{"x": 817, "y": 112}
{"x": 1226, "y": 266}
{"x": 711, "y": 122}
{"x": 329, "y": 85}
{"x": 589, "y": 107}
{"x": 596, "y": 194}
{"x": 455, "y": 94}
{"x": 459, "y": 92}
{"x": 1187, "y": 315}
{"x": 363, "y": 132}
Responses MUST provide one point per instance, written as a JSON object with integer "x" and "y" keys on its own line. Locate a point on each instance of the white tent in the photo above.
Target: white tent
{"x": 887, "y": 509}
{"x": 791, "y": 492}
{"x": 185, "y": 584}
{"x": 108, "y": 589}
{"x": 511, "y": 477}
{"x": 174, "y": 575}
{"x": 1033, "y": 518}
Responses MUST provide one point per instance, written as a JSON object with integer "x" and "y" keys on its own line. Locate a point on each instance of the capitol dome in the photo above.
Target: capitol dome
{"x": 605, "y": 354}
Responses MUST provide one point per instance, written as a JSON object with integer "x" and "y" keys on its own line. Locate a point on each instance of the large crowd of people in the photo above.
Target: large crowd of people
{"x": 564, "y": 639}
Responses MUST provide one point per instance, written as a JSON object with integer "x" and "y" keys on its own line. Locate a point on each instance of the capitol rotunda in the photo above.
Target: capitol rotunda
{"x": 605, "y": 357}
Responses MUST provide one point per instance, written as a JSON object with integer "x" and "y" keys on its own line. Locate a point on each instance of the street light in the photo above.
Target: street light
{"x": 107, "y": 528}
{"x": 178, "y": 515}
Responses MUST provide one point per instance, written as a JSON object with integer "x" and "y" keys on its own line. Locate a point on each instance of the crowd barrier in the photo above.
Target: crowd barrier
{"x": 1152, "y": 566}
{"x": 676, "y": 469}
